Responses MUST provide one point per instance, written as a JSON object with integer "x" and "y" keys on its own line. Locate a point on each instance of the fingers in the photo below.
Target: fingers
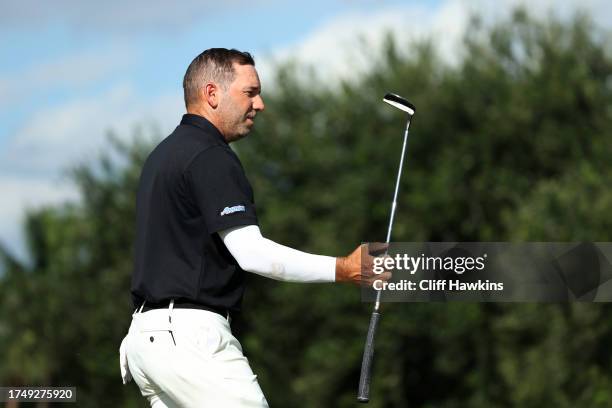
{"x": 361, "y": 268}
{"x": 377, "y": 248}
{"x": 372, "y": 270}
{"x": 368, "y": 281}
{"x": 375, "y": 265}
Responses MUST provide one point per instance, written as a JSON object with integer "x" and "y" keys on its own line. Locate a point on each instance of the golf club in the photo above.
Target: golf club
{"x": 368, "y": 352}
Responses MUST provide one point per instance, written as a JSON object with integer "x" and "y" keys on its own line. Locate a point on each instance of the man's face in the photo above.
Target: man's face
{"x": 240, "y": 103}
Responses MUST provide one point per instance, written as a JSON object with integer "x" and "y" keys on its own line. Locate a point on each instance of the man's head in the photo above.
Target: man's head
{"x": 223, "y": 86}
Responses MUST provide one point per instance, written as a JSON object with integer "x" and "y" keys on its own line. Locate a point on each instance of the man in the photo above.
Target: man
{"x": 197, "y": 233}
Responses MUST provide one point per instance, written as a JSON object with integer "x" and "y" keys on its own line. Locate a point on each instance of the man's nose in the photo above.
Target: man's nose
{"x": 258, "y": 103}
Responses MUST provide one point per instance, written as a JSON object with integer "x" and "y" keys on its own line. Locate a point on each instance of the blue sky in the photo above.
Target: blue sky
{"x": 71, "y": 70}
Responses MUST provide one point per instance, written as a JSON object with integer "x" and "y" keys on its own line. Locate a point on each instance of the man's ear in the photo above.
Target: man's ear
{"x": 211, "y": 94}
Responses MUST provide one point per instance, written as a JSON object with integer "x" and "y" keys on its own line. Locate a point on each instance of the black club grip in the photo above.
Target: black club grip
{"x": 366, "y": 364}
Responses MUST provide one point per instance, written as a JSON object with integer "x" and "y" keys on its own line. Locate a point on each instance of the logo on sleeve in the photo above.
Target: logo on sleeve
{"x": 231, "y": 210}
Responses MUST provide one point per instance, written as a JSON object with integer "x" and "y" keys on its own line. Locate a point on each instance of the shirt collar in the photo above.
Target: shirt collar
{"x": 202, "y": 123}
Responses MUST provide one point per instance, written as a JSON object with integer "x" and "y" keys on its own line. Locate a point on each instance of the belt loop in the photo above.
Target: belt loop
{"x": 170, "y": 310}
{"x": 139, "y": 310}
{"x": 170, "y": 320}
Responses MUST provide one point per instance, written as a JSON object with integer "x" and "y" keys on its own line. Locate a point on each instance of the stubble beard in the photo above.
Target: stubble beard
{"x": 234, "y": 123}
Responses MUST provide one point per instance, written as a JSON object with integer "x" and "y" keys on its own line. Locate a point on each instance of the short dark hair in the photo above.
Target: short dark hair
{"x": 213, "y": 65}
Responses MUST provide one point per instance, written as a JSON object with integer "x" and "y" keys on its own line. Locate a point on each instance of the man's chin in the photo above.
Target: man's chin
{"x": 241, "y": 134}
{"x": 248, "y": 126}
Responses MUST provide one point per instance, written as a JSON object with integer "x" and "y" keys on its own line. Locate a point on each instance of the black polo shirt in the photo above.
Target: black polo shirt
{"x": 192, "y": 186}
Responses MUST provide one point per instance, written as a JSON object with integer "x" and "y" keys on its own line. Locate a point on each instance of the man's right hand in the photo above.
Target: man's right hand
{"x": 357, "y": 268}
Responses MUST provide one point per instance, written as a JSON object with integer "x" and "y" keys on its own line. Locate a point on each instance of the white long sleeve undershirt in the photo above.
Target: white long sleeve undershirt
{"x": 259, "y": 255}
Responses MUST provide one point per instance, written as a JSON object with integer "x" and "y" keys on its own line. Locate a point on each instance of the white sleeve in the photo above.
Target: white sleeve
{"x": 259, "y": 255}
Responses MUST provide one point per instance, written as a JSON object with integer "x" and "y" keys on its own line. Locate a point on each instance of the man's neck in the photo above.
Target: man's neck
{"x": 208, "y": 116}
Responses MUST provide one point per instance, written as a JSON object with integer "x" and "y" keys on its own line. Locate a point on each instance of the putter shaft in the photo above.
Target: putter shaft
{"x": 394, "y": 203}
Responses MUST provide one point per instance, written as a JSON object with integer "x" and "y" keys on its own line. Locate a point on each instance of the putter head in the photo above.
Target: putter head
{"x": 400, "y": 103}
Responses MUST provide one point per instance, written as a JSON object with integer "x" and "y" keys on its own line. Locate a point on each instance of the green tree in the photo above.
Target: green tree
{"x": 65, "y": 313}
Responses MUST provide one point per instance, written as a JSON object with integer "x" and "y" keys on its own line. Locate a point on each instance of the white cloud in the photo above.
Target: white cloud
{"x": 346, "y": 46}
{"x": 60, "y": 135}
{"x": 67, "y": 73}
{"x": 20, "y": 194}
{"x": 113, "y": 15}
{"x": 333, "y": 49}
{"x": 335, "y": 52}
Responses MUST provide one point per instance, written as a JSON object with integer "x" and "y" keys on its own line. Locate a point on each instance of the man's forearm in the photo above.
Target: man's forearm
{"x": 259, "y": 255}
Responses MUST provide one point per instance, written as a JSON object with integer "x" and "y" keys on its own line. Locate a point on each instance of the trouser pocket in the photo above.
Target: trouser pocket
{"x": 206, "y": 341}
{"x": 158, "y": 337}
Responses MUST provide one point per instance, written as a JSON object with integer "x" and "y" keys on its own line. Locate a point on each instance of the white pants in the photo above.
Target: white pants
{"x": 189, "y": 358}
